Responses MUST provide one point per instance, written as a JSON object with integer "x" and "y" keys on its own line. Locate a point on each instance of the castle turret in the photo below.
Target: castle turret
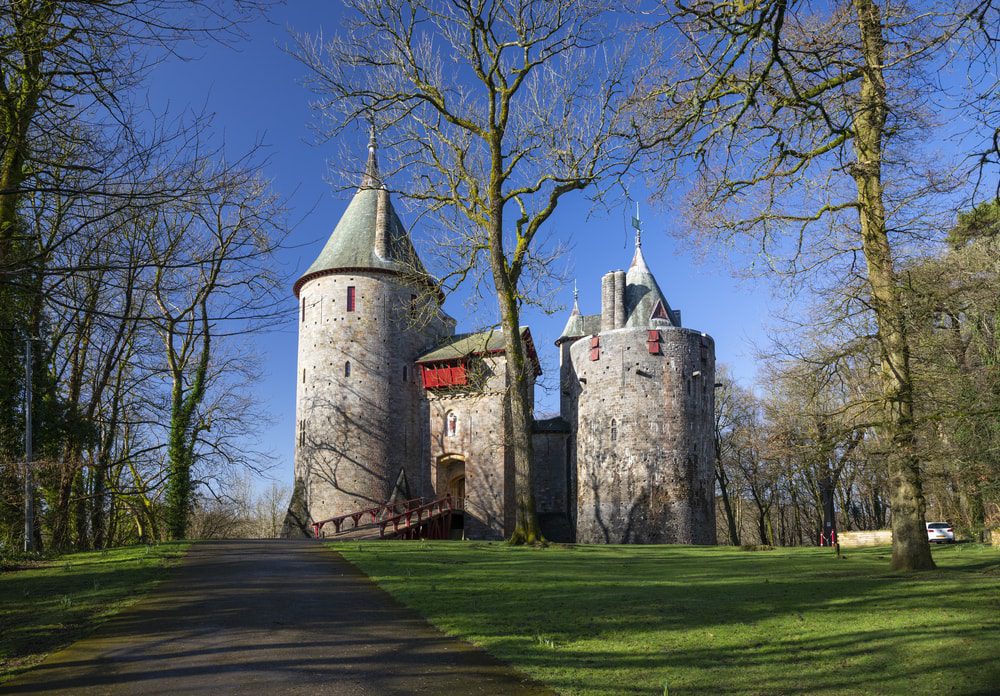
{"x": 642, "y": 408}
{"x": 367, "y": 309}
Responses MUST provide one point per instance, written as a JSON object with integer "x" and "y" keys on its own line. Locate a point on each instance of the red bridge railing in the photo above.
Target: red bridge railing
{"x": 430, "y": 521}
{"x": 379, "y": 511}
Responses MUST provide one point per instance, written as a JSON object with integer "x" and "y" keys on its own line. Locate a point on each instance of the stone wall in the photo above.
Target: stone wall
{"x": 478, "y": 443}
{"x": 554, "y": 496}
{"x": 357, "y": 427}
{"x": 875, "y": 537}
{"x": 644, "y": 438}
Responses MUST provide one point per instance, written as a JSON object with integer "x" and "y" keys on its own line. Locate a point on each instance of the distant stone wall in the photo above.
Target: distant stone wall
{"x": 875, "y": 537}
{"x": 645, "y": 438}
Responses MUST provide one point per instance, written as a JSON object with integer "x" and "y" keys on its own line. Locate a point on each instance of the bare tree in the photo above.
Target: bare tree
{"x": 804, "y": 123}
{"x": 213, "y": 277}
{"x": 498, "y": 110}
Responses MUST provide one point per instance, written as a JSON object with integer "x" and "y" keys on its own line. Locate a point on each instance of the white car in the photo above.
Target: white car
{"x": 940, "y": 532}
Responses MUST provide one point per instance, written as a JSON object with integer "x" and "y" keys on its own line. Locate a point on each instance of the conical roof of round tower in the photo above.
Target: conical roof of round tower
{"x": 644, "y": 301}
{"x": 351, "y": 246}
{"x": 578, "y": 324}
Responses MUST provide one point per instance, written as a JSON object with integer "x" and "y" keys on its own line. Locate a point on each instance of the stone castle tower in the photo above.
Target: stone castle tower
{"x": 367, "y": 309}
{"x": 639, "y": 394}
{"x": 392, "y": 403}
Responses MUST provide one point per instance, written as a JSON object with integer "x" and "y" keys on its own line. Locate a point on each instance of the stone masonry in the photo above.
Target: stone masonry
{"x": 391, "y": 402}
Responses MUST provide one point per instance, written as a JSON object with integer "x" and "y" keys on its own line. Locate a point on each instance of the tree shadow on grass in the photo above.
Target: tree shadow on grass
{"x": 602, "y": 620}
{"x": 253, "y": 617}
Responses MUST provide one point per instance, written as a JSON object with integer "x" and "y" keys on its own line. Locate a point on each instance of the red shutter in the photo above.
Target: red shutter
{"x": 595, "y": 347}
{"x": 444, "y": 375}
{"x": 653, "y": 342}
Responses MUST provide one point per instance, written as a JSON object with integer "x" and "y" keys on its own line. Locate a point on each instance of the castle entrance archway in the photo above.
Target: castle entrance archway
{"x": 451, "y": 478}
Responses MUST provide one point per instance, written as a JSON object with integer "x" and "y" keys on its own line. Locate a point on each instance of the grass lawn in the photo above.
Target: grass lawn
{"x": 49, "y": 606}
{"x": 637, "y": 619}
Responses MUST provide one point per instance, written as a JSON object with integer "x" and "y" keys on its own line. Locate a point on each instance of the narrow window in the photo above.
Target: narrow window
{"x": 350, "y": 298}
{"x": 614, "y": 430}
{"x": 347, "y": 369}
{"x": 451, "y": 424}
{"x": 302, "y": 433}
{"x": 303, "y": 375}
{"x": 303, "y": 309}
{"x": 406, "y": 374}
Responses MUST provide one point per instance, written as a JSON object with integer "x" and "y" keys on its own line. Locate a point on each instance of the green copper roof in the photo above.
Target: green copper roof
{"x": 460, "y": 345}
{"x": 642, "y": 294}
{"x": 489, "y": 341}
{"x": 352, "y": 243}
{"x": 580, "y": 325}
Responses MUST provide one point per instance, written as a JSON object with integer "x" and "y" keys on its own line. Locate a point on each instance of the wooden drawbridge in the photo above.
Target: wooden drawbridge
{"x": 410, "y": 519}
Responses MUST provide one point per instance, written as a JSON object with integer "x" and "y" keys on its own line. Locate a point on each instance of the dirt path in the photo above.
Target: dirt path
{"x": 269, "y": 617}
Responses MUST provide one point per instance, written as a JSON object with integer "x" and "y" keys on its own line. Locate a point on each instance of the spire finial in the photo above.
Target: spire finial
{"x": 637, "y": 224}
{"x": 576, "y": 299}
{"x": 371, "y": 178}
{"x": 637, "y": 260}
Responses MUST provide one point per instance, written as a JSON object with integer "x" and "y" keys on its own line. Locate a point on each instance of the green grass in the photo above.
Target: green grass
{"x": 53, "y": 603}
{"x": 641, "y": 619}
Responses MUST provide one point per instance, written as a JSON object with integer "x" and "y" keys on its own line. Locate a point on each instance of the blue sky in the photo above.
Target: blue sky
{"x": 254, "y": 92}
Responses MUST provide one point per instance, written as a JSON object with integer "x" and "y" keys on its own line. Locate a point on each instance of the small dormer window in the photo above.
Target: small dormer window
{"x": 451, "y": 424}
{"x": 659, "y": 312}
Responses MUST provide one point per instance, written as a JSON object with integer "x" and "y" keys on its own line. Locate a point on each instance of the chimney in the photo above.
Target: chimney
{"x": 382, "y": 223}
{"x": 619, "y": 286}
{"x": 608, "y": 304}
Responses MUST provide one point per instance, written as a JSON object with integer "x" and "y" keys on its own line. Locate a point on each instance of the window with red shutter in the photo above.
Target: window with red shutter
{"x": 452, "y": 374}
{"x": 653, "y": 342}
{"x": 595, "y": 347}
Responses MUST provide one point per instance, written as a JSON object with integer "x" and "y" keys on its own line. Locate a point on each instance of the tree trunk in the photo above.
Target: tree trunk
{"x": 829, "y": 525}
{"x": 910, "y": 548}
{"x": 179, "y": 470}
{"x": 526, "y": 528}
{"x": 720, "y": 475}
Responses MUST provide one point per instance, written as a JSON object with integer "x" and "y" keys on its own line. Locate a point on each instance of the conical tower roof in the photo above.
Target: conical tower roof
{"x": 578, "y": 324}
{"x": 644, "y": 301}
{"x": 351, "y": 246}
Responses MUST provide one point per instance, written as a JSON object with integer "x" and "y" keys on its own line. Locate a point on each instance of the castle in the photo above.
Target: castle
{"x": 392, "y": 403}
